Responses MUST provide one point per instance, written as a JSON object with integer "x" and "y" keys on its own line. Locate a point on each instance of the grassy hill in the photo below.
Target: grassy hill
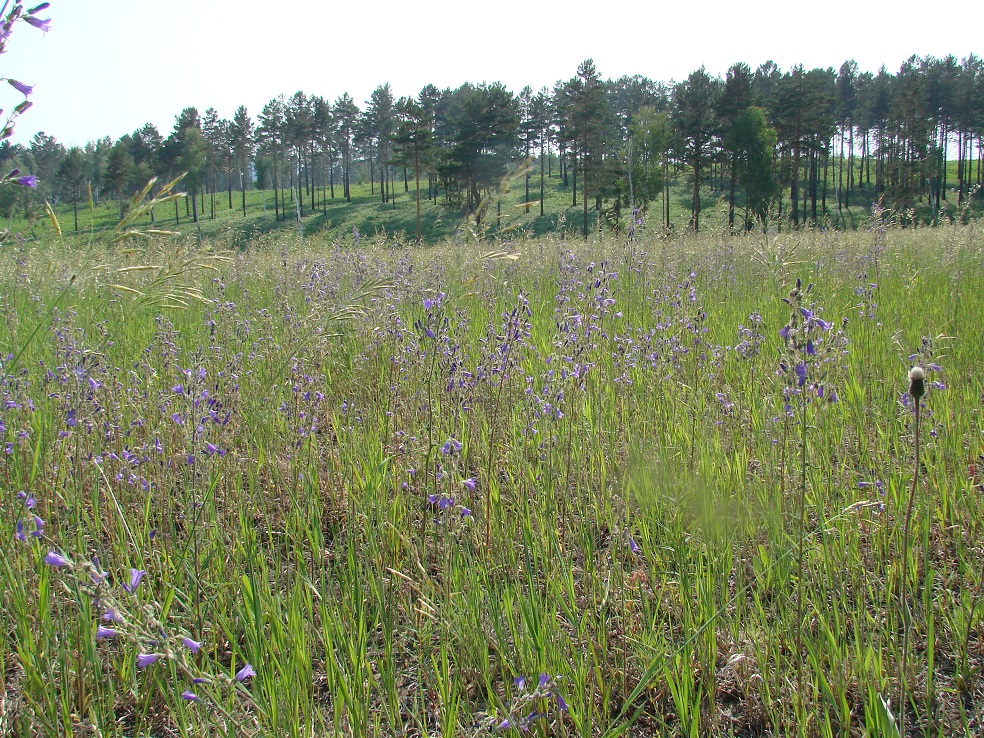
{"x": 507, "y": 213}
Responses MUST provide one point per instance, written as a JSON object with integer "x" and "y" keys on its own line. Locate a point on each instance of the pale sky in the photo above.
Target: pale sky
{"x": 109, "y": 66}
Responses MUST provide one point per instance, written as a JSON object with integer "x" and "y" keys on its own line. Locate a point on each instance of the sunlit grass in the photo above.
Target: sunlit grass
{"x": 394, "y": 481}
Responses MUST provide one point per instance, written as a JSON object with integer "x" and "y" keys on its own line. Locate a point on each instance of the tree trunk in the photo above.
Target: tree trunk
{"x": 733, "y": 180}
{"x": 695, "y": 197}
{"x": 826, "y": 167}
{"x": 416, "y": 171}
{"x": 584, "y": 192}
{"x": 574, "y": 188}
{"x": 276, "y": 187}
{"x": 840, "y": 174}
{"x": 794, "y": 187}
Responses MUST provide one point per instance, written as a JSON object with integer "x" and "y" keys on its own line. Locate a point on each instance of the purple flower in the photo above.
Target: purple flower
{"x": 28, "y": 180}
{"x": 432, "y": 499}
{"x": 23, "y": 89}
{"x": 191, "y": 645}
{"x": 520, "y": 682}
{"x": 177, "y": 419}
{"x": 213, "y": 449}
{"x": 634, "y": 547}
{"x": 70, "y": 420}
{"x": 800, "y": 370}
{"x": 189, "y": 695}
{"x": 29, "y": 500}
{"x": 469, "y": 483}
{"x": 561, "y": 704}
{"x": 111, "y": 616}
{"x": 178, "y": 389}
{"x": 245, "y": 672}
{"x": 20, "y": 532}
{"x": 38, "y": 527}
{"x": 444, "y": 503}
{"x": 56, "y": 560}
{"x": 104, "y": 632}
{"x": 146, "y": 659}
{"x": 42, "y": 25}
{"x": 544, "y": 680}
{"x": 465, "y": 512}
{"x": 135, "y": 576}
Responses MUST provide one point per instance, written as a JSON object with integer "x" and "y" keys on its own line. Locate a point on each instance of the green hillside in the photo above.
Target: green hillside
{"x": 508, "y": 213}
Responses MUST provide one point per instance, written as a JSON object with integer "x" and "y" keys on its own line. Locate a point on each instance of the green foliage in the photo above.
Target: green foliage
{"x": 754, "y": 142}
{"x": 652, "y": 139}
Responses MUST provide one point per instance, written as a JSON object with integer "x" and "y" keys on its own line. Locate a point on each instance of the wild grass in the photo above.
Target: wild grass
{"x": 588, "y": 489}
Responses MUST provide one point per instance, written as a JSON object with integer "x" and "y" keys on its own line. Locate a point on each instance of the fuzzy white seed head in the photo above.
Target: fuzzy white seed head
{"x": 917, "y": 385}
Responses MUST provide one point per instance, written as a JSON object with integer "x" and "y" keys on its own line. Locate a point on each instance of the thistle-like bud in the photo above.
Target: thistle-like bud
{"x": 917, "y": 385}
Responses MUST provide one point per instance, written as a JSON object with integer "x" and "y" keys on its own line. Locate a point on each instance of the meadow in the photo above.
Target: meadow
{"x": 324, "y": 486}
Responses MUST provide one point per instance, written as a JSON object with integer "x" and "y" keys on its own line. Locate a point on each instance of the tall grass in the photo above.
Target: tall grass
{"x": 581, "y": 491}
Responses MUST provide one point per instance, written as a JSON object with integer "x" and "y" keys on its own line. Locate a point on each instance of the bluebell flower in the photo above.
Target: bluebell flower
{"x": 135, "y": 576}
{"x": 244, "y": 673}
{"x": 146, "y": 659}
{"x": 56, "y": 560}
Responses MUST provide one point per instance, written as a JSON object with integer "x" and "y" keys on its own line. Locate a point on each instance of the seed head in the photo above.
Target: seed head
{"x": 917, "y": 386}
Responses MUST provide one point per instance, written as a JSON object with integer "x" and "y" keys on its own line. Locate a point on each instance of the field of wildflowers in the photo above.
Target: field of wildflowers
{"x": 650, "y": 487}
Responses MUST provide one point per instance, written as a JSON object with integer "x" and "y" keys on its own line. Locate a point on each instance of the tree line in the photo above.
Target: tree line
{"x": 798, "y": 145}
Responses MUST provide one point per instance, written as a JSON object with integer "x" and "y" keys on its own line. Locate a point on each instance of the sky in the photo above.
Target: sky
{"x": 107, "y": 67}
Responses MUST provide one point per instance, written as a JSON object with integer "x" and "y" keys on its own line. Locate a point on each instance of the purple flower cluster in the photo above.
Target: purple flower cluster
{"x": 536, "y": 697}
{"x": 7, "y": 22}
{"x": 809, "y": 349}
{"x": 141, "y": 628}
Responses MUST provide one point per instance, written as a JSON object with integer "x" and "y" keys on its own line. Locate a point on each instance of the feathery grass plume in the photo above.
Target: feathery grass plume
{"x": 141, "y": 205}
{"x": 476, "y": 224}
{"x": 170, "y": 282}
{"x": 52, "y": 217}
{"x": 168, "y": 274}
{"x": 917, "y": 388}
